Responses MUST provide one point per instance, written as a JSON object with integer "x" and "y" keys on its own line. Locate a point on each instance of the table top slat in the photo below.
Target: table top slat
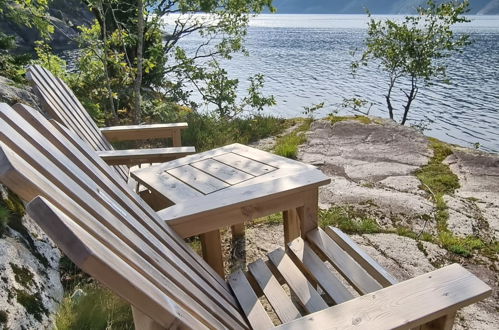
{"x": 268, "y": 158}
{"x": 222, "y": 171}
{"x": 169, "y": 186}
{"x": 197, "y": 179}
{"x": 253, "y": 167}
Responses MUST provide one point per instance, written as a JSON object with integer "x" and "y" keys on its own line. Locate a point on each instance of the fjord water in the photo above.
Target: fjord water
{"x": 306, "y": 60}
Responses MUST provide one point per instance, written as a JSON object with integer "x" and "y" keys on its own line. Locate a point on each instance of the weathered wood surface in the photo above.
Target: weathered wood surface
{"x": 143, "y": 132}
{"x": 317, "y": 269}
{"x": 280, "y": 301}
{"x": 252, "y": 307}
{"x": 131, "y": 157}
{"x": 366, "y": 261}
{"x": 343, "y": 262}
{"x": 306, "y": 293}
{"x": 404, "y": 305}
{"x": 231, "y": 185}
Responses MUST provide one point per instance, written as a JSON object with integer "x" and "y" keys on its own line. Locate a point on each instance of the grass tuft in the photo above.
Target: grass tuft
{"x": 458, "y": 245}
{"x": 437, "y": 176}
{"x": 287, "y": 145}
{"x": 362, "y": 119}
{"x": 94, "y": 307}
{"x": 348, "y": 220}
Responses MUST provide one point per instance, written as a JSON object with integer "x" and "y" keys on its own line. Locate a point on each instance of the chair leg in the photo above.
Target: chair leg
{"x": 211, "y": 244}
{"x": 143, "y": 322}
{"x": 176, "y": 138}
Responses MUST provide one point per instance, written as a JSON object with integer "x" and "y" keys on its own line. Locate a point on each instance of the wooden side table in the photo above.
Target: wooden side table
{"x": 231, "y": 185}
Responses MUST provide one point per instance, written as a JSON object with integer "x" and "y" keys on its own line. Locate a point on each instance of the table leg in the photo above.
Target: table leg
{"x": 445, "y": 322}
{"x": 308, "y": 213}
{"x": 291, "y": 225}
{"x": 237, "y": 230}
{"x": 211, "y": 244}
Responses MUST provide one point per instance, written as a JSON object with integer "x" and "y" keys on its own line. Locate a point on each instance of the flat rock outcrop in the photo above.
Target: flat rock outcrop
{"x": 372, "y": 169}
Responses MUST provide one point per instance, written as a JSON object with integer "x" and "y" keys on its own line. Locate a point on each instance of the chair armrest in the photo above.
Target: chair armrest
{"x": 133, "y": 157}
{"x": 404, "y": 305}
{"x": 142, "y": 132}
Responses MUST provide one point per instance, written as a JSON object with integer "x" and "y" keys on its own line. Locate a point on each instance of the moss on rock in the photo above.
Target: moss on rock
{"x": 32, "y": 303}
{"x": 23, "y": 275}
{"x": 4, "y": 317}
{"x": 362, "y": 119}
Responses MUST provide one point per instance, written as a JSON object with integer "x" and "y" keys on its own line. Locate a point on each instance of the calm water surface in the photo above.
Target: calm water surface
{"x": 306, "y": 60}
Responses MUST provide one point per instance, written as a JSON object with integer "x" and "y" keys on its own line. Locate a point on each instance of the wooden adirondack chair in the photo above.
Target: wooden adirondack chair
{"x": 63, "y": 106}
{"x": 110, "y": 233}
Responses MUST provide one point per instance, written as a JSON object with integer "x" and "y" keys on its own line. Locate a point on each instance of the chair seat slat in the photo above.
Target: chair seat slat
{"x": 252, "y": 307}
{"x": 298, "y": 283}
{"x": 366, "y": 261}
{"x": 345, "y": 264}
{"x": 313, "y": 264}
{"x": 280, "y": 301}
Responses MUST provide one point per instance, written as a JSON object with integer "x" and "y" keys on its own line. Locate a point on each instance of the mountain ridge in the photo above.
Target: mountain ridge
{"x": 480, "y": 7}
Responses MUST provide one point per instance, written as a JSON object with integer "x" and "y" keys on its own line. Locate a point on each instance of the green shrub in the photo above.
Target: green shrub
{"x": 207, "y": 131}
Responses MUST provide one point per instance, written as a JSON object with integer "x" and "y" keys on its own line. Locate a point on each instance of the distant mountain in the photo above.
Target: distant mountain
{"x": 481, "y": 7}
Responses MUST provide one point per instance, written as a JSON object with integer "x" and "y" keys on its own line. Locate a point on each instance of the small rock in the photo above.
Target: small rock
{"x": 11, "y": 94}
{"x": 409, "y": 184}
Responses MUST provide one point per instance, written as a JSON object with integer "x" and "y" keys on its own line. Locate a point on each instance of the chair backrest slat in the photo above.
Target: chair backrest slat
{"x": 93, "y": 256}
{"x": 119, "y": 240}
{"x": 65, "y": 108}
{"x": 61, "y": 104}
{"x": 155, "y": 251}
{"x": 80, "y": 154}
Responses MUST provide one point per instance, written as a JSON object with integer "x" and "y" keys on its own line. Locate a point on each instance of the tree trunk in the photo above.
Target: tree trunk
{"x": 137, "y": 97}
{"x": 102, "y": 21}
{"x": 410, "y": 97}
{"x": 388, "y": 98}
